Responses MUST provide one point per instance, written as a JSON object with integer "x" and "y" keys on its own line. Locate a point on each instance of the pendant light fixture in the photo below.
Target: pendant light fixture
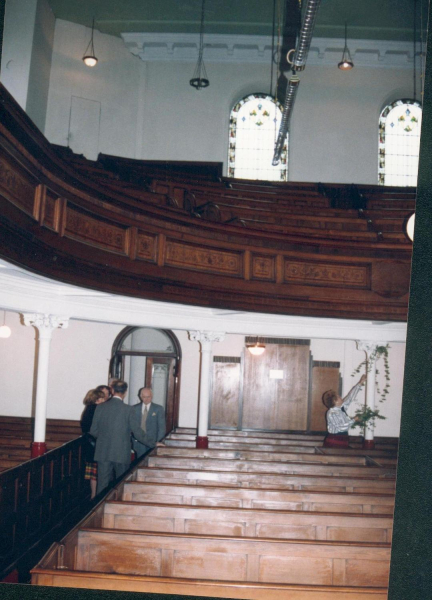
{"x": 256, "y": 349}
{"x": 346, "y": 64}
{"x": 5, "y": 331}
{"x": 199, "y": 79}
{"x": 89, "y": 57}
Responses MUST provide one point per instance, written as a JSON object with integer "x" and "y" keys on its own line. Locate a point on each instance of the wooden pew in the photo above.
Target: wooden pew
{"x": 265, "y": 480}
{"x": 56, "y": 569}
{"x": 233, "y": 559}
{"x": 279, "y": 499}
{"x": 228, "y": 438}
{"x": 270, "y": 467}
{"x": 252, "y": 455}
{"x": 247, "y": 522}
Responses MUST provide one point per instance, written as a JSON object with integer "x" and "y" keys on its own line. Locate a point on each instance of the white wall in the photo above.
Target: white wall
{"x": 79, "y": 361}
{"x": 149, "y": 110}
{"x": 40, "y": 67}
{"x": 115, "y": 82}
{"x": 17, "y": 47}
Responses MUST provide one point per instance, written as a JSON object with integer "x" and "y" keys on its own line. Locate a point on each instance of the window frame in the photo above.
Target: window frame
{"x": 232, "y": 138}
{"x": 382, "y": 135}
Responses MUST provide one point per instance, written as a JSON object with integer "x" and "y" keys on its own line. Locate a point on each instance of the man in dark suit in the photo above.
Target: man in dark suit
{"x": 112, "y": 427}
{"x": 151, "y": 418}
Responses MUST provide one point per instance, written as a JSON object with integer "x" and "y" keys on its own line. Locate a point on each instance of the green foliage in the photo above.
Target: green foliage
{"x": 379, "y": 352}
{"x": 366, "y": 415}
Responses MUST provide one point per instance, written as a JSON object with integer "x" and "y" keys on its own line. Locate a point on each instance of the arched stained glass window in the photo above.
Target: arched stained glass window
{"x": 254, "y": 126}
{"x": 399, "y": 143}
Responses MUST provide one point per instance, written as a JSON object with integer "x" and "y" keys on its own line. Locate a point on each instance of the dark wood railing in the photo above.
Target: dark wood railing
{"x": 37, "y": 499}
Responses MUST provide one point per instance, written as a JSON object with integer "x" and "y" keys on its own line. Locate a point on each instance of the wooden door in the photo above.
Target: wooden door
{"x": 325, "y": 376}
{"x": 276, "y": 387}
{"x": 226, "y": 393}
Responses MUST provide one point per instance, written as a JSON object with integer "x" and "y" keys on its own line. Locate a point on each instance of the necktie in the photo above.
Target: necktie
{"x": 144, "y": 418}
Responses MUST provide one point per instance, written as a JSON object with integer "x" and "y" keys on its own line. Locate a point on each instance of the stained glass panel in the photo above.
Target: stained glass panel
{"x": 254, "y": 125}
{"x": 399, "y": 143}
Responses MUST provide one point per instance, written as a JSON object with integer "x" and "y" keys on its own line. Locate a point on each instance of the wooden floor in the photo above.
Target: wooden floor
{"x": 16, "y": 436}
{"x": 257, "y": 515}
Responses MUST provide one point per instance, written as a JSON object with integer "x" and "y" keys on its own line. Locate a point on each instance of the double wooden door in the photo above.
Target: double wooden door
{"x": 267, "y": 392}
{"x": 280, "y": 390}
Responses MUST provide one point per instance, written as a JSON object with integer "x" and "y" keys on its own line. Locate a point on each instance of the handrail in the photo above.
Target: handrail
{"x": 36, "y": 497}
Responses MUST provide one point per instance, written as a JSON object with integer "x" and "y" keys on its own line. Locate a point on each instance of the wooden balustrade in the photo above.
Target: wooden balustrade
{"x": 36, "y": 497}
{"x": 52, "y": 214}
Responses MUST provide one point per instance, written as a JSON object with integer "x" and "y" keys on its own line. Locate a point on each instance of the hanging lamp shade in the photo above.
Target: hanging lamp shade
{"x": 89, "y": 57}
{"x": 200, "y": 79}
{"x": 346, "y": 64}
{"x": 257, "y": 348}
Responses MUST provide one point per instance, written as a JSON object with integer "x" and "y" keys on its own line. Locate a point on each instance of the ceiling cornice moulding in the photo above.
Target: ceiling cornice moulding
{"x": 257, "y": 49}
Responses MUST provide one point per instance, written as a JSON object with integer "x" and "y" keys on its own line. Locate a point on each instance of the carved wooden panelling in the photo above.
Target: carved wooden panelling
{"x": 203, "y": 259}
{"x": 326, "y": 274}
{"x": 391, "y": 279}
{"x": 264, "y": 267}
{"x": 49, "y": 215}
{"x": 94, "y": 232}
{"x": 146, "y": 247}
{"x": 15, "y": 185}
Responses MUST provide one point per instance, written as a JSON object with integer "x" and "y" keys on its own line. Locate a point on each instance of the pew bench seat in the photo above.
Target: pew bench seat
{"x": 265, "y": 480}
{"x": 233, "y": 559}
{"x": 256, "y": 466}
{"x": 247, "y": 522}
{"x": 277, "y": 499}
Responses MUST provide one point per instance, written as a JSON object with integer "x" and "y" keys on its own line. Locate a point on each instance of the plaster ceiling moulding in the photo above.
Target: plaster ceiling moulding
{"x": 257, "y": 49}
{"x": 185, "y": 47}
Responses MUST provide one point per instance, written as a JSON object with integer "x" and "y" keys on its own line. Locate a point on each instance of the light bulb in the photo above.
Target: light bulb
{"x": 90, "y": 61}
{"x": 5, "y": 331}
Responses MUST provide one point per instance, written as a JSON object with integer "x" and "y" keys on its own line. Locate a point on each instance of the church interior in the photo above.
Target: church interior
{"x": 134, "y": 246}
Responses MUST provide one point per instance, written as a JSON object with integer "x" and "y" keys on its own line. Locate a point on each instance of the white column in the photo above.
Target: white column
{"x": 45, "y": 324}
{"x": 370, "y": 349}
{"x": 206, "y": 338}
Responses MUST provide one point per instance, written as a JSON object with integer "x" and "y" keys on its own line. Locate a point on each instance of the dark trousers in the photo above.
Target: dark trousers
{"x": 336, "y": 440}
{"x": 107, "y": 472}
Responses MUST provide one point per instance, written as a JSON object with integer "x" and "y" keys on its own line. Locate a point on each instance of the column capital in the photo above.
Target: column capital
{"x": 206, "y": 336}
{"x": 44, "y": 322}
{"x": 368, "y": 347}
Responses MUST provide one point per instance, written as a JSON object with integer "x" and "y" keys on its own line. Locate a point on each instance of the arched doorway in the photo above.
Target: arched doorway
{"x": 148, "y": 357}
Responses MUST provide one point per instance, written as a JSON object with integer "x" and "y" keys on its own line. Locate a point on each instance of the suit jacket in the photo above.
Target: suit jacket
{"x": 155, "y": 425}
{"x": 112, "y": 425}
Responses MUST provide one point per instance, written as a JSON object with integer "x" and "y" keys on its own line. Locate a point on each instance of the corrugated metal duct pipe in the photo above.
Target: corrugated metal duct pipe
{"x": 291, "y": 93}
{"x": 305, "y": 35}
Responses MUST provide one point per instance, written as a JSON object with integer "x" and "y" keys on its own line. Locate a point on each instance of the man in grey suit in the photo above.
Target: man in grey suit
{"x": 112, "y": 427}
{"x": 151, "y": 418}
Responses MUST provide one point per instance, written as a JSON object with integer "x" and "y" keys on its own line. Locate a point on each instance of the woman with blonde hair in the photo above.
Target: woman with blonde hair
{"x": 91, "y": 400}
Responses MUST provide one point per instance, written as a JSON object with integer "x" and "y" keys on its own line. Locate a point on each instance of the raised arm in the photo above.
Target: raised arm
{"x": 353, "y": 392}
